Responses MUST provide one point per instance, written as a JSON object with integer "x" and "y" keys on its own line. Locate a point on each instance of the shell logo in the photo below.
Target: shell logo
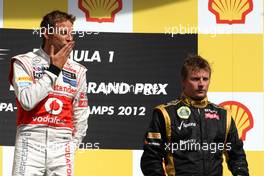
{"x": 241, "y": 115}
{"x": 100, "y": 10}
{"x": 230, "y": 11}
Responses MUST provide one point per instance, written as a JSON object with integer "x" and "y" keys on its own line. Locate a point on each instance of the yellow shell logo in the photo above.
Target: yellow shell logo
{"x": 241, "y": 115}
{"x": 230, "y": 11}
{"x": 100, "y": 10}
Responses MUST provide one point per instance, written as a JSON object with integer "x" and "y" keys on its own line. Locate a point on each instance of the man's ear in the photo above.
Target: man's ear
{"x": 45, "y": 33}
{"x": 182, "y": 84}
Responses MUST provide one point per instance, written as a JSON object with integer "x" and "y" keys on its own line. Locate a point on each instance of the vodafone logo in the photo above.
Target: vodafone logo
{"x": 48, "y": 119}
{"x": 53, "y": 106}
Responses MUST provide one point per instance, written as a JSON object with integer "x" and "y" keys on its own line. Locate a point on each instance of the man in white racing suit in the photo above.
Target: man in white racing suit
{"x": 52, "y": 104}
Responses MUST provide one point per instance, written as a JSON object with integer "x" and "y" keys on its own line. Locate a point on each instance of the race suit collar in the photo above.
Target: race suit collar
{"x": 43, "y": 54}
{"x": 195, "y": 103}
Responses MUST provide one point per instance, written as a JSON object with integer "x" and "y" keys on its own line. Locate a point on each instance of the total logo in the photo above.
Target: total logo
{"x": 231, "y": 11}
{"x": 53, "y": 106}
{"x": 241, "y": 115}
{"x": 100, "y": 11}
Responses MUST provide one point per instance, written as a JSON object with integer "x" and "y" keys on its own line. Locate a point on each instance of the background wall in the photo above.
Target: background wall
{"x": 133, "y": 56}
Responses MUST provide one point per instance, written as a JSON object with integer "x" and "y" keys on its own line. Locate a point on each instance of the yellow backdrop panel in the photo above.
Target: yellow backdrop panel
{"x": 119, "y": 162}
{"x": 255, "y": 162}
{"x": 27, "y": 14}
{"x": 237, "y": 61}
{"x": 103, "y": 162}
{"x": 153, "y": 16}
{"x": 263, "y": 50}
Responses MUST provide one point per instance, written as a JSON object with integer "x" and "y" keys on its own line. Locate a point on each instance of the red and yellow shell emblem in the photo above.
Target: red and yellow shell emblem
{"x": 230, "y": 11}
{"x": 100, "y": 10}
{"x": 241, "y": 115}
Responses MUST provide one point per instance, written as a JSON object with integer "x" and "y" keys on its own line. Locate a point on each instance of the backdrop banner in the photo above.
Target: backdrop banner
{"x": 128, "y": 75}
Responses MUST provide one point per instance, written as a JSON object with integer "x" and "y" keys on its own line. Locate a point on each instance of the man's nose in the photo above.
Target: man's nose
{"x": 201, "y": 83}
{"x": 69, "y": 38}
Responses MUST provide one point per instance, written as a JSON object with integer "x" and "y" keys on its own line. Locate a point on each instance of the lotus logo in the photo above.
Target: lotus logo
{"x": 100, "y": 10}
{"x": 241, "y": 115}
{"x": 230, "y": 11}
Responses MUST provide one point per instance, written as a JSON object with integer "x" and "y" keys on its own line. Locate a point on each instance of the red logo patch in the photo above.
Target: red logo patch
{"x": 100, "y": 10}
{"x": 231, "y": 11}
{"x": 241, "y": 115}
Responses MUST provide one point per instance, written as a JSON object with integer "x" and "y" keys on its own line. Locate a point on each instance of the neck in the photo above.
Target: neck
{"x": 46, "y": 48}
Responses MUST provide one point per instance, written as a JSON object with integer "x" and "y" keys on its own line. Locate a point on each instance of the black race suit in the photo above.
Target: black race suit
{"x": 189, "y": 138}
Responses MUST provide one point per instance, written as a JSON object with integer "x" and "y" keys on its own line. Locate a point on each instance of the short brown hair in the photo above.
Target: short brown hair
{"x": 50, "y": 20}
{"x": 194, "y": 62}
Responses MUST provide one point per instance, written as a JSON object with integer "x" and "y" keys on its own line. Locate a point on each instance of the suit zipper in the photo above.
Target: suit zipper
{"x": 201, "y": 131}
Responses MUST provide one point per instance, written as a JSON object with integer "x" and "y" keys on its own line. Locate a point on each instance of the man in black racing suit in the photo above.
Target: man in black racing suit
{"x": 188, "y": 136}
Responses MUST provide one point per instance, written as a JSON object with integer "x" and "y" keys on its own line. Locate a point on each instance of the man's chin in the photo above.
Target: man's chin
{"x": 199, "y": 97}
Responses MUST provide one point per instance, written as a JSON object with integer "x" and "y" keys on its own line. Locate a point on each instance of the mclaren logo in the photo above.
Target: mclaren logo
{"x": 100, "y": 10}
{"x": 230, "y": 11}
{"x": 3, "y": 53}
{"x": 241, "y": 115}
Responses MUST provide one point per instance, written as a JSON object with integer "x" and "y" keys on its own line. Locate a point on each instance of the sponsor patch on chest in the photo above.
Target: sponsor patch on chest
{"x": 184, "y": 112}
{"x": 38, "y": 70}
{"x": 186, "y": 125}
{"x": 211, "y": 114}
{"x": 69, "y": 77}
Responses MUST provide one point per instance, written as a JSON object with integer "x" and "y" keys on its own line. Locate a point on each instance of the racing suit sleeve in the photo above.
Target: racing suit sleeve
{"x": 81, "y": 112}
{"x": 28, "y": 91}
{"x": 154, "y": 149}
{"x": 235, "y": 154}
